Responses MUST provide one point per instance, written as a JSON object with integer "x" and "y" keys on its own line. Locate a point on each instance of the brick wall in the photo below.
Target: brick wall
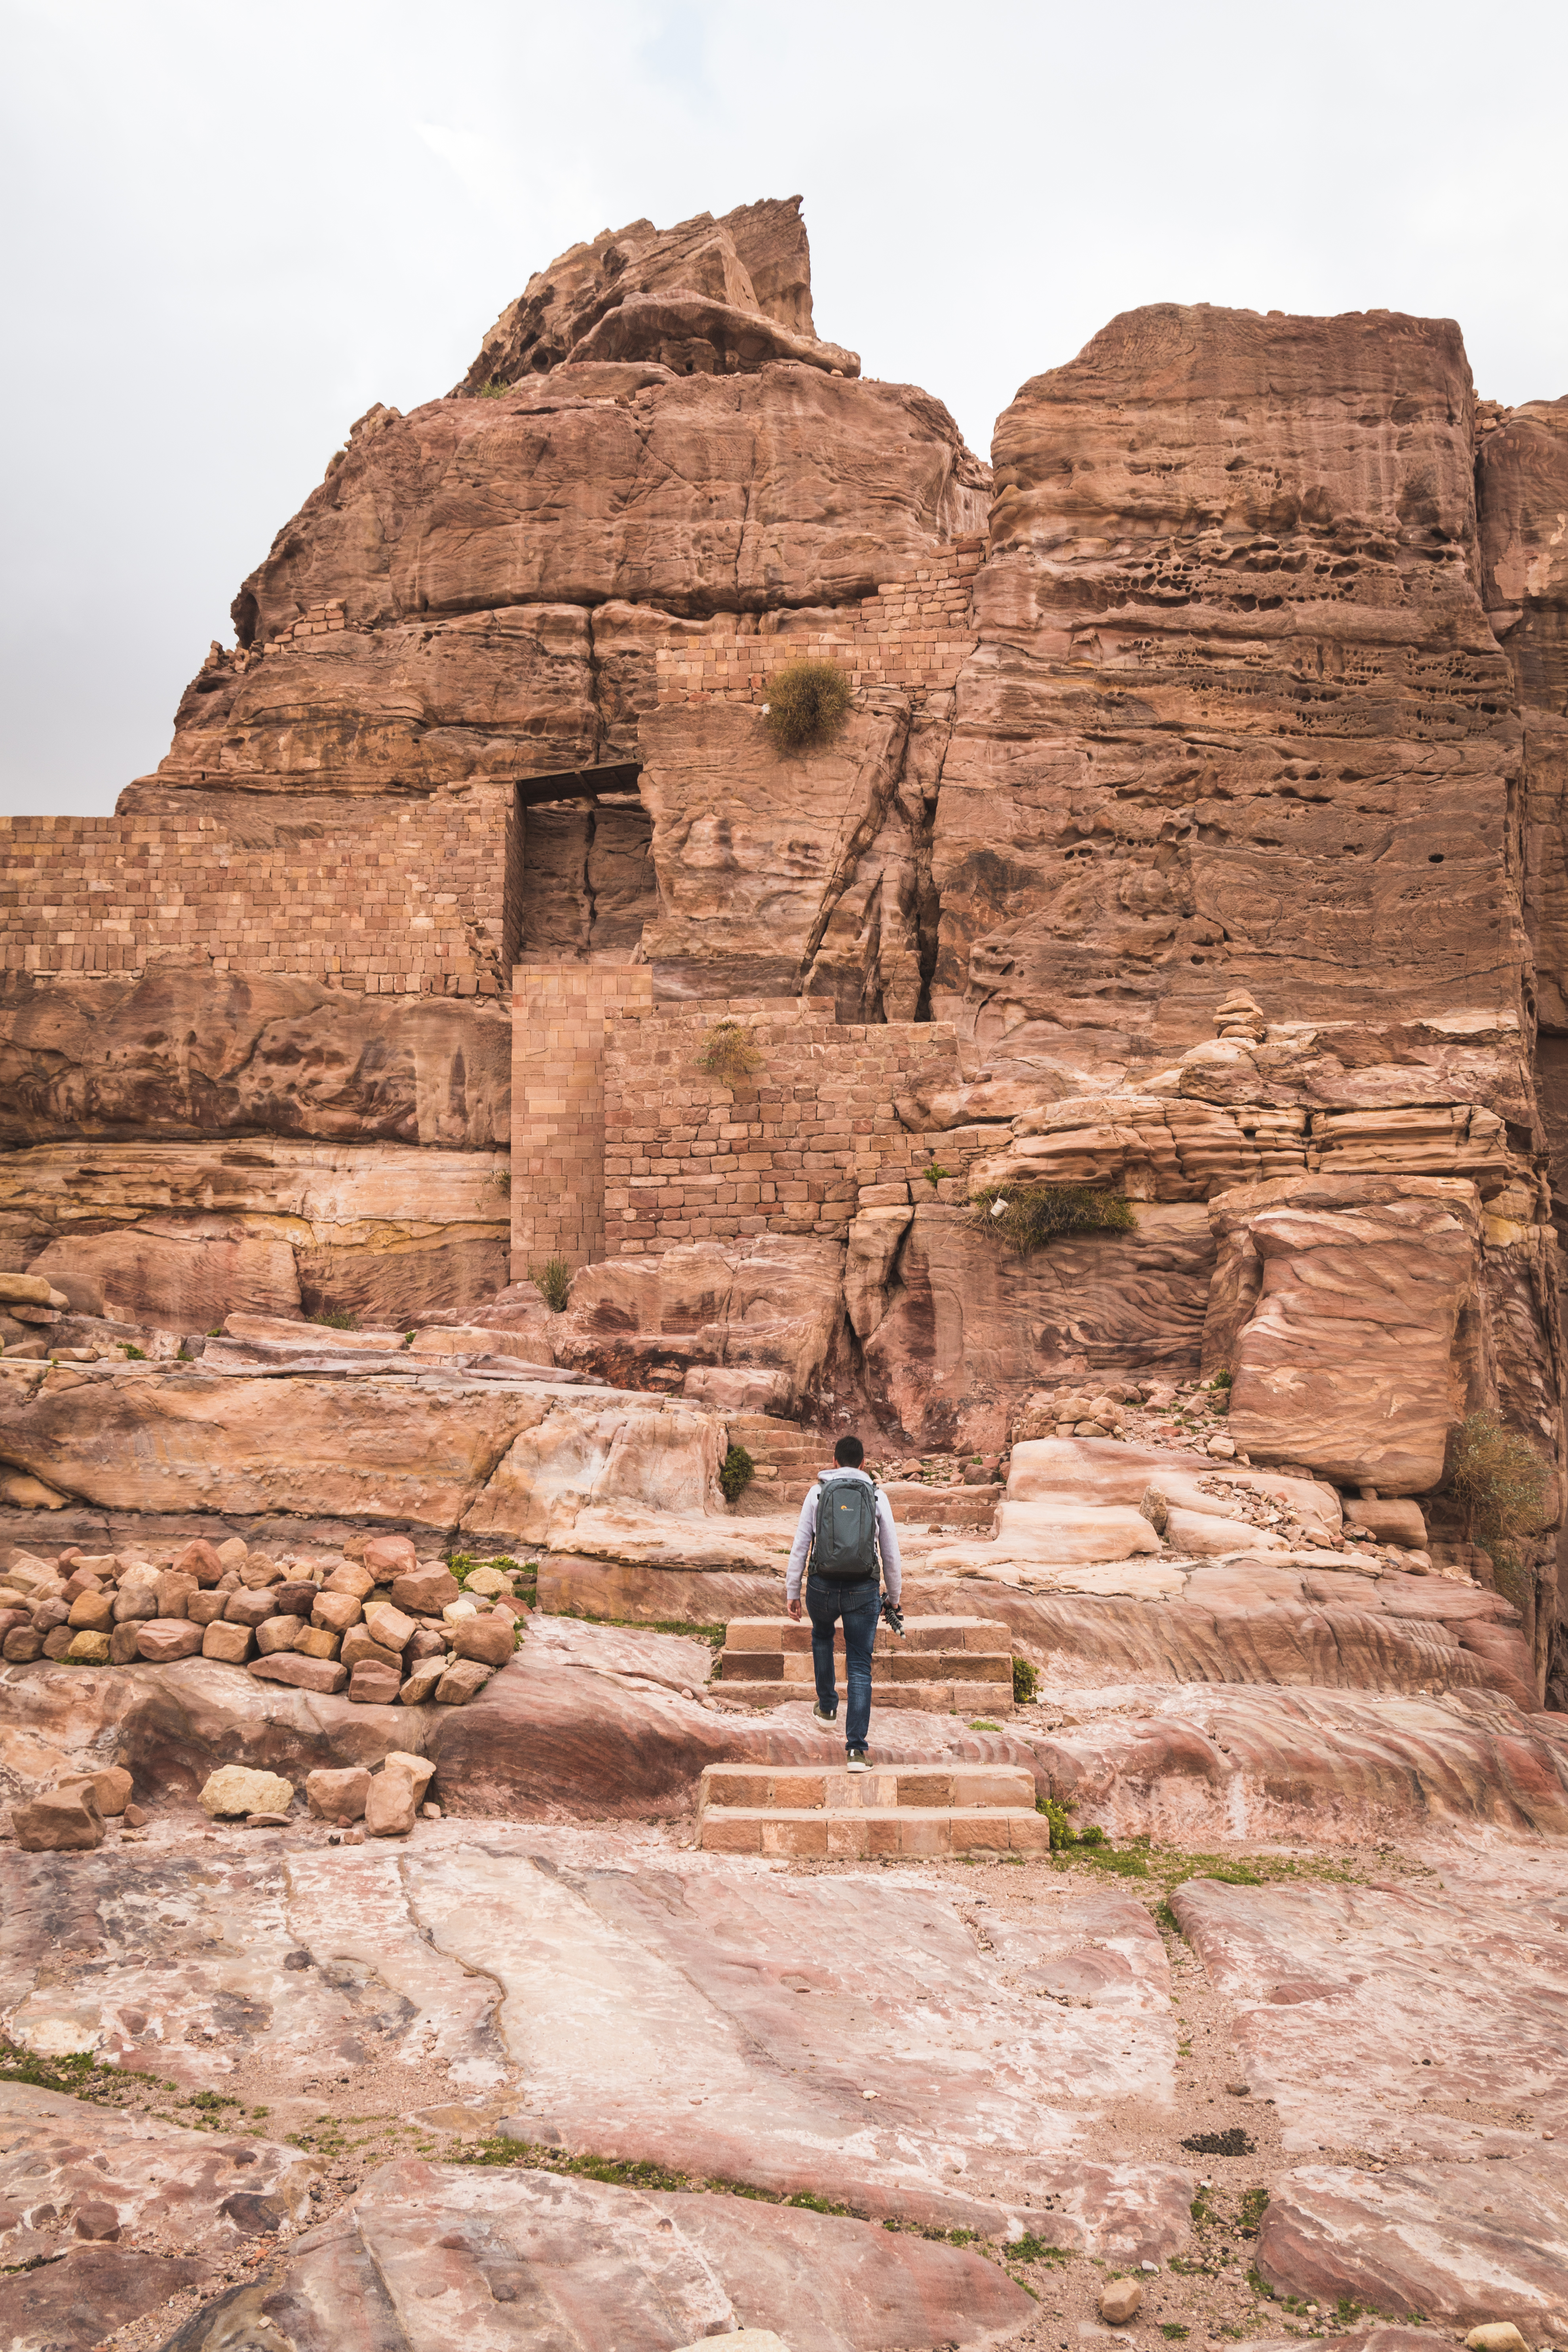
{"x": 689, "y": 1158}
{"x": 560, "y": 1015}
{"x": 392, "y": 894}
{"x": 914, "y": 634}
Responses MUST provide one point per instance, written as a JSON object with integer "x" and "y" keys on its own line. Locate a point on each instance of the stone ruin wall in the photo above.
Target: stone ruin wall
{"x": 399, "y": 899}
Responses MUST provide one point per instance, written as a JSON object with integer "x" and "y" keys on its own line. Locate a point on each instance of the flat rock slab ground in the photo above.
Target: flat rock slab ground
{"x": 852, "y": 2036}
{"x": 1423, "y": 2022}
{"x": 433, "y": 2256}
{"x": 1038, "y": 2049}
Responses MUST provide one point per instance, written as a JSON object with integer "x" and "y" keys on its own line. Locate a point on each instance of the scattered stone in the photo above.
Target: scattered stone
{"x": 487, "y": 1583}
{"x": 389, "y": 1809}
{"x": 430, "y": 1812}
{"x": 259, "y": 1572}
{"x": 425, "y": 1590}
{"x": 91, "y": 1613}
{"x": 358, "y": 1647}
{"x": 125, "y": 1643}
{"x": 237, "y": 1789}
{"x": 88, "y": 1650}
{"x": 175, "y": 1593}
{"x": 338, "y": 1795}
{"x": 372, "y": 1685}
{"x": 488, "y": 1639}
{"x": 1495, "y": 2335}
{"x": 277, "y": 1634}
{"x": 390, "y": 1556}
{"x": 111, "y": 1787}
{"x": 316, "y": 1641}
{"x": 64, "y": 1821}
{"x": 252, "y": 1609}
{"x": 163, "y": 1639}
{"x": 232, "y": 1554}
{"x": 295, "y": 1597}
{"x": 336, "y": 1612}
{"x": 1120, "y": 2301}
{"x": 267, "y": 1820}
{"x": 135, "y": 1817}
{"x": 354, "y": 1837}
{"x": 200, "y": 1560}
{"x": 352, "y": 1579}
{"x": 229, "y": 1644}
{"x": 421, "y": 1684}
{"x": 304, "y": 1671}
{"x": 389, "y": 1626}
{"x": 462, "y": 1681}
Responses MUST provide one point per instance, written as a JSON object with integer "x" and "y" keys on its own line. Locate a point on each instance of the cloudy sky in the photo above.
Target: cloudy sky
{"x": 230, "y": 229}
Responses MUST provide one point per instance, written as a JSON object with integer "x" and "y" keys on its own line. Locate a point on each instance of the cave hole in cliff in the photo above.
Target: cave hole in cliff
{"x": 580, "y": 881}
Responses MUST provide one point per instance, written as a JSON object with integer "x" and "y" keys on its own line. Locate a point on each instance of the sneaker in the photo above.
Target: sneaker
{"x": 830, "y": 1716}
{"x": 858, "y": 1761}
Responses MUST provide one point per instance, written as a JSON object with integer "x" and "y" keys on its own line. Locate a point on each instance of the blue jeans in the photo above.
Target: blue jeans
{"x": 860, "y": 1606}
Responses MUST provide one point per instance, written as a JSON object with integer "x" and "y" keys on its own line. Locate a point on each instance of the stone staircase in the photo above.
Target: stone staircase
{"x": 906, "y": 1810}
{"x": 787, "y": 1457}
{"x": 943, "y": 1665}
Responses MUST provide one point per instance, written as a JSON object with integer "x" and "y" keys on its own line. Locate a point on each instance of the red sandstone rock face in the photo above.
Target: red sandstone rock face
{"x": 1234, "y": 697}
{"x": 787, "y": 487}
{"x": 1521, "y": 491}
{"x": 177, "y": 1053}
{"x": 755, "y": 260}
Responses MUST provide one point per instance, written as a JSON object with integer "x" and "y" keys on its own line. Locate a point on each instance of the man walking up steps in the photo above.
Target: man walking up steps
{"x": 845, "y": 1522}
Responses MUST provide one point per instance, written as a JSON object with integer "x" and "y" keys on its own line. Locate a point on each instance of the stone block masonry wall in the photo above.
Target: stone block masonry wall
{"x": 561, "y": 1013}
{"x": 394, "y": 894}
{"x": 914, "y": 634}
{"x": 689, "y": 1158}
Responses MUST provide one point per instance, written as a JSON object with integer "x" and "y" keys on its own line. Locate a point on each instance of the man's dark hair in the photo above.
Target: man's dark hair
{"x": 849, "y": 1453}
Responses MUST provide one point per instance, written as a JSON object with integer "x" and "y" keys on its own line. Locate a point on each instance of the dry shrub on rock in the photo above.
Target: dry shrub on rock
{"x": 807, "y": 703}
{"x": 1028, "y": 1216}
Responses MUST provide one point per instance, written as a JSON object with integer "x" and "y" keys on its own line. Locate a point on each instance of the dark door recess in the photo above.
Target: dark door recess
{"x": 579, "y": 784}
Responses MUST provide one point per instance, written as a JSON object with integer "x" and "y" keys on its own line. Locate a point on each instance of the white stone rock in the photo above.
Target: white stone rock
{"x": 237, "y": 1788}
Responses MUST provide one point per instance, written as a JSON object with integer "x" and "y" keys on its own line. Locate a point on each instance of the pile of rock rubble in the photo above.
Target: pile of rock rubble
{"x": 72, "y": 1817}
{"x": 373, "y": 1621}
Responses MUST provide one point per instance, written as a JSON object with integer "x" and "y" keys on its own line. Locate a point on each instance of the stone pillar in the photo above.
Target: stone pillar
{"x": 559, "y": 1015}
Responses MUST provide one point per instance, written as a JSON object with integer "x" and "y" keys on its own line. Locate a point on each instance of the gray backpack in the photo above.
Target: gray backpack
{"x": 845, "y": 1550}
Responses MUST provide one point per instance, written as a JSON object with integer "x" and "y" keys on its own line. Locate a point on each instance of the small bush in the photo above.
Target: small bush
{"x": 1222, "y": 1380}
{"x": 1499, "y": 1479}
{"x": 554, "y": 1279}
{"x": 339, "y": 1320}
{"x": 736, "y": 1473}
{"x": 1028, "y": 1216}
{"x": 1026, "y": 1680}
{"x": 497, "y": 388}
{"x": 807, "y": 702}
{"x": 1232, "y": 2142}
{"x": 134, "y": 1355}
{"x": 935, "y": 1173}
{"x": 728, "y": 1053}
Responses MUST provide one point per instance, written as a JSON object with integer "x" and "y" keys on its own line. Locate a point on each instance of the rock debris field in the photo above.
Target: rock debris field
{"x": 282, "y": 2035}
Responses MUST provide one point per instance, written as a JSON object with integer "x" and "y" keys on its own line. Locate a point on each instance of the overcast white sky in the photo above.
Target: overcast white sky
{"x": 230, "y": 229}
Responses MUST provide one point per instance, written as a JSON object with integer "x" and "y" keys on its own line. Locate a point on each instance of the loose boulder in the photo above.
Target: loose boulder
{"x": 64, "y": 1821}
{"x": 236, "y": 1789}
{"x": 338, "y": 1796}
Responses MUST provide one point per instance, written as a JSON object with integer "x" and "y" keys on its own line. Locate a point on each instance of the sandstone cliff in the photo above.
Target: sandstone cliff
{"x": 1195, "y": 832}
